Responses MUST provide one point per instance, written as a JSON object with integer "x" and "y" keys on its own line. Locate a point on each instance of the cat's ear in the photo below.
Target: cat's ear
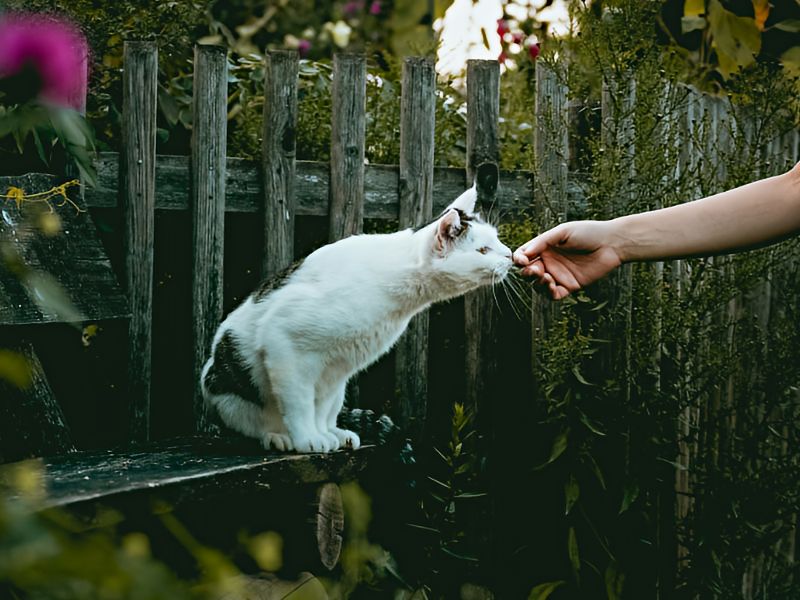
{"x": 466, "y": 201}
{"x": 448, "y": 228}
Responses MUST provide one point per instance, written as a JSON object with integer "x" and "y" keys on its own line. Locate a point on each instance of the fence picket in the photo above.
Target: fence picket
{"x": 483, "y": 111}
{"x": 349, "y": 97}
{"x": 138, "y": 159}
{"x": 417, "y": 122}
{"x": 551, "y": 147}
{"x": 209, "y": 132}
{"x": 278, "y": 159}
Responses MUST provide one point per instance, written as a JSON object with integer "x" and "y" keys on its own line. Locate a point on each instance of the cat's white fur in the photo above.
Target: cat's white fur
{"x": 345, "y": 306}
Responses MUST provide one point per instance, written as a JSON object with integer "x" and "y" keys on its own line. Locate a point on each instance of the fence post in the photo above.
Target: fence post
{"x": 551, "y": 149}
{"x": 417, "y": 123}
{"x": 483, "y": 112}
{"x": 349, "y": 114}
{"x": 278, "y": 159}
{"x": 348, "y": 141}
{"x": 139, "y": 83}
{"x": 209, "y": 132}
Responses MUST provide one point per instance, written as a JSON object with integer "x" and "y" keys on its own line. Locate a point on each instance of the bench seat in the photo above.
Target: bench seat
{"x": 180, "y": 470}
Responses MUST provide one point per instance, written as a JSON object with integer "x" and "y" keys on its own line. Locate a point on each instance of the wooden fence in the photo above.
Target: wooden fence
{"x": 279, "y": 188}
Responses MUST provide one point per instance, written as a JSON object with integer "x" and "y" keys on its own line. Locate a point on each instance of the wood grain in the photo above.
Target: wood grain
{"x": 31, "y": 420}
{"x": 138, "y": 161}
{"x": 483, "y": 111}
{"x": 551, "y": 148}
{"x": 312, "y": 182}
{"x": 417, "y": 123}
{"x": 278, "y": 159}
{"x": 207, "y": 197}
{"x": 348, "y": 126}
{"x": 186, "y": 470}
{"x": 64, "y": 276}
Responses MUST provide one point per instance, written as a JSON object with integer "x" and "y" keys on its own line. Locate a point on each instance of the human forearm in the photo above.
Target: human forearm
{"x": 749, "y": 216}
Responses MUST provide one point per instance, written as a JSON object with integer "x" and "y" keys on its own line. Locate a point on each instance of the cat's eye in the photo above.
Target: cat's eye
{"x": 484, "y": 249}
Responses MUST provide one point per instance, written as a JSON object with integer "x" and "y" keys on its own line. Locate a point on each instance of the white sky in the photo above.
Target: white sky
{"x": 461, "y": 29}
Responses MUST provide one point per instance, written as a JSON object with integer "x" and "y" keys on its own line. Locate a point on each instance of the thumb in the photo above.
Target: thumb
{"x": 533, "y": 248}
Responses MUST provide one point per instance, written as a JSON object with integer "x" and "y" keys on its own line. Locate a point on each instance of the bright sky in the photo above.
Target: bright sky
{"x": 462, "y": 23}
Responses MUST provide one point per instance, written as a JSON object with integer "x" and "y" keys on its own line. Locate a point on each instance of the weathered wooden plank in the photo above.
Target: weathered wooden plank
{"x": 483, "y": 112}
{"x": 278, "y": 159}
{"x": 182, "y": 471}
{"x": 138, "y": 200}
{"x": 349, "y": 98}
{"x": 31, "y": 420}
{"x": 209, "y": 132}
{"x": 243, "y": 188}
{"x": 417, "y": 124}
{"x": 57, "y": 273}
{"x": 551, "y": 147}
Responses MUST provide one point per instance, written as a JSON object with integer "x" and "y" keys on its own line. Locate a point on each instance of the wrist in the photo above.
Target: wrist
{"x": 621, "y": 238}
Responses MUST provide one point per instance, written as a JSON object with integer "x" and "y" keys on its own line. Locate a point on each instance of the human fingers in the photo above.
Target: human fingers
{"x": 534, "y": 268}
{"x": 533, "y": 248}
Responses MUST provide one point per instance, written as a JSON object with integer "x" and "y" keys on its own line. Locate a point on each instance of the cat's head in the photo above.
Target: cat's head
{"x": 465, "y": 248}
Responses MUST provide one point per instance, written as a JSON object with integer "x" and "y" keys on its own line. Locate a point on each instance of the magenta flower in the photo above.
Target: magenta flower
{"x": 350, "y": 9}
{"x": 303, "y": 46}
{"x": 534, "y": 51}
{"x": 375, "y": 8}
{"x": 51, "y": 51}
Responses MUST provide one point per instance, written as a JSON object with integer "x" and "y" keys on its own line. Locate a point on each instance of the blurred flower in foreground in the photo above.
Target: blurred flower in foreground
{"x": 340, "y": 32}
{"x": 42, "y": 56}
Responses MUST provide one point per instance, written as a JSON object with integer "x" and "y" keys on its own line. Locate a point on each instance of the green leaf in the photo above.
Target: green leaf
{"x": 629, "y": 496}
{"x": 790, "y": 25}
{"x": 615, "y": 581}
{"x": 15, "y": 369}
{"x": 168, "y": 106}
{"x": 596, "y": 470}
{"x": 559, "y": 445}
{"x": 694, "y": 8}
{"x": 571, "y": 493}
{"x": 736, "y": 39}
{"x": 589, "y": 424}
{"x": 543, "y": 590}
{"x": 572, "y": 550}
{"x": 579, "y": 376}
{"x": 791, "y": 61}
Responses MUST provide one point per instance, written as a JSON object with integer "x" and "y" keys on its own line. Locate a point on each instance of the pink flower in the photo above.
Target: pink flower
{"x": 303, "y": 46}
{"x": 375, "y": 8}
{"x": 54, "y": 49}
{"x": 502, "y": 27}
{"x": 534, "y": 51}
{"x": 502, "y": 58}
{"x": 351, "y": 8}
{"x": 519, "y": 38}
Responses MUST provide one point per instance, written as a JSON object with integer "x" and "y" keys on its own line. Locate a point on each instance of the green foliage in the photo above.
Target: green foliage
{"x": 675, "y": 375}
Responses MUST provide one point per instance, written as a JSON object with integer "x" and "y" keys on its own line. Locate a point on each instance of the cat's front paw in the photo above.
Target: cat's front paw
{"x": 277, "y": 441}
{"x": 347, "y": 439}
{"x": 315, "y": 442}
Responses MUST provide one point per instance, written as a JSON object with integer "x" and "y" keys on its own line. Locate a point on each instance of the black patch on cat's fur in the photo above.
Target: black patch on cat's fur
{"x": 276, "y": 281}
{"x": 229, "y": 373}
{"x": 466, "y": 219}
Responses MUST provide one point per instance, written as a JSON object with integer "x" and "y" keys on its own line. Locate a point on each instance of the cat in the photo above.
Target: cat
{"x": 280, "y": 362}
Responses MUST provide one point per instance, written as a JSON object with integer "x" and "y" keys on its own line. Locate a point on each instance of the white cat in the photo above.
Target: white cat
{"x": 280, "y": 361}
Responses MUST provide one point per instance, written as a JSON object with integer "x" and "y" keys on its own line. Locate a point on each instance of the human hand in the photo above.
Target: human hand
{"x": 570, "y": 256}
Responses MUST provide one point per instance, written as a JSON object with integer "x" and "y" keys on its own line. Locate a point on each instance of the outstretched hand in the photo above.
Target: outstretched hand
{"x": 569, "y": 256}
